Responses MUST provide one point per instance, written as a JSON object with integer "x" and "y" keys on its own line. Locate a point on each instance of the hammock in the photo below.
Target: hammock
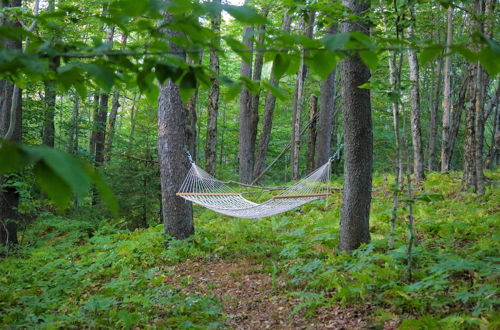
{"x": 201, "y": 188}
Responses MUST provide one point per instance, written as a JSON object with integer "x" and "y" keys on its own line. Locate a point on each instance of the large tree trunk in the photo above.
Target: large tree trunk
{"x": 267, "y": 118}
{"x": 434, "y": 119}
{"x": 358, "y": 140}
{"x": 313, "y": 131}
{"x": 11, "y": 129}
{"x": 327, "y": 115}
{"x": 416, "y": 130}
{"x": 213, "y": 102}
{"x": 446, "y": 149}
{"x": 298, "y": 99}
{"x": 177, "y": 214}
{"x": 247, "y": 146}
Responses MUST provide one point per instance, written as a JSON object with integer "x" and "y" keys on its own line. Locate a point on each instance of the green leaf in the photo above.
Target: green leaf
{"x": 369, "y": 58}
{"x": 429, "y": 53}
{"x": 334, "y": 42}
{"x": 489, "y": 59}
{"x": 280, "y": 93}
{"x": 104, "y": 191}
{"x": 280, "y": 65}
{"x": 166, "y": 71}
{"x": 103, "y": 76}
{"x": 322, "y": 62}
{"x": 52, "y": 184}
{"x": 239, "y": 48}
{"x": 12, "y": 158}
{"x": 244, "y": 14}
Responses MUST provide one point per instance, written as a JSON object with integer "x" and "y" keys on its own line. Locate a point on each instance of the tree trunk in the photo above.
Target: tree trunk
{"x": 311, "y": 141}
{"x": 494, "y": 152}
{"x": 446, "y": 149}
{"x": 213, "y": 101}
{"x": 115, "y": 105}
{"x": 469, "y": 176}
{"x": 395, "y": 79}
{"x": 267, "y": 118}
{"x": 298, "y": 100}
{"x": 358, "y": 140}
{"x": 74, "y": 129}
{"x": 93, "y": 132}
{"x": 11, "y": 130}
{"x": 327, "y": 115}
{"x": 177, "y": 214}
{"x": 191, "y": 112}
{"x": 48, "y": 130}
{"x": 433, "y": 119}
{"x": 133, "y": 115}
{"x": 247, "y": 147}
{"x": 100, "y": 135}
{"x": 416, "y": 130}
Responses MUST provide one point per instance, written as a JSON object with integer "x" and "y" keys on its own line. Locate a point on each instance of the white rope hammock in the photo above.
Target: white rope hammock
{"x": 201, "y": 188}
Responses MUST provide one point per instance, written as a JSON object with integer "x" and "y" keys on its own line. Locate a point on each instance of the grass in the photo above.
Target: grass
{"x": 72, "y": 274}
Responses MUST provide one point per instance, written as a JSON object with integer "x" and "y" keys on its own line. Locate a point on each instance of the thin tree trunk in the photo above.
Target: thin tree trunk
{"x": 267, "y": 118}
{"x": 100, "y": 136}
{"x": 433, "y": 119}
{"x": 48, "y": 131}
{"x": 494, "y": 152}
{"x": 213, "y": 102}
{"x": 358, "y": 140}
{"x": 177, "y": 214}
{"x": 246, "y": 147}
{"x": 115, "y": 105}
{"x": 327, "y": 114}
{"x": 469, "y": 176}
{"x": 133, "y": 115}
{"x": 446, "y": 149}
{"x": 75, "y": 123}
{"x": 298, "y": 100}
{"x": 311, "y": 141}
{"x": 10, "y": 129}
{"x": 395, "y": 78}
{"x": 191, "y": 111}
{"x": 416, "y": 130}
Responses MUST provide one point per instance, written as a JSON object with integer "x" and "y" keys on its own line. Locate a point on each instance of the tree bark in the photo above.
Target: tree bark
{"x": 311, "y": 141}
{"x": 100, "y": 136}
{"x": 494, "y": 152}
{"x": 191, "y": 112}
{"x": 395, "y": 79}
{"x": 246, "y": 147}
{"x": 11, "y": 130}
{"x": 327, "y": 115}
{"x": 416, "y": 130}
{"x": 115, "y": 105}
{"x": 469, "y": 176}
{"x": 213, "y": 101}
{"x": 446, "y": 149}
{"x": 358, "y": 140}
{"x": 267, "y": 118}
{"x": 75, "y": 126}
{"x": 133, "y": 114}
{"x": 95, "y": 115}
{"x": 433, "y": 119}
{"x": 177, "y": 214}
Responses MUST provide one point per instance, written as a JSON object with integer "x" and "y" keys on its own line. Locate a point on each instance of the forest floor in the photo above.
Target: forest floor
{"x": 279, "y": 272}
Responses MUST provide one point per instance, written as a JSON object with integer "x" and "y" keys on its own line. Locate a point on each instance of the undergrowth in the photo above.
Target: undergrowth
{"x": 74, "y": 274}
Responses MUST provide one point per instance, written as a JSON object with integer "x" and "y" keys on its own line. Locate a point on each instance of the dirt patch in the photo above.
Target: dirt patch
{"x": 255, "y": 300}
